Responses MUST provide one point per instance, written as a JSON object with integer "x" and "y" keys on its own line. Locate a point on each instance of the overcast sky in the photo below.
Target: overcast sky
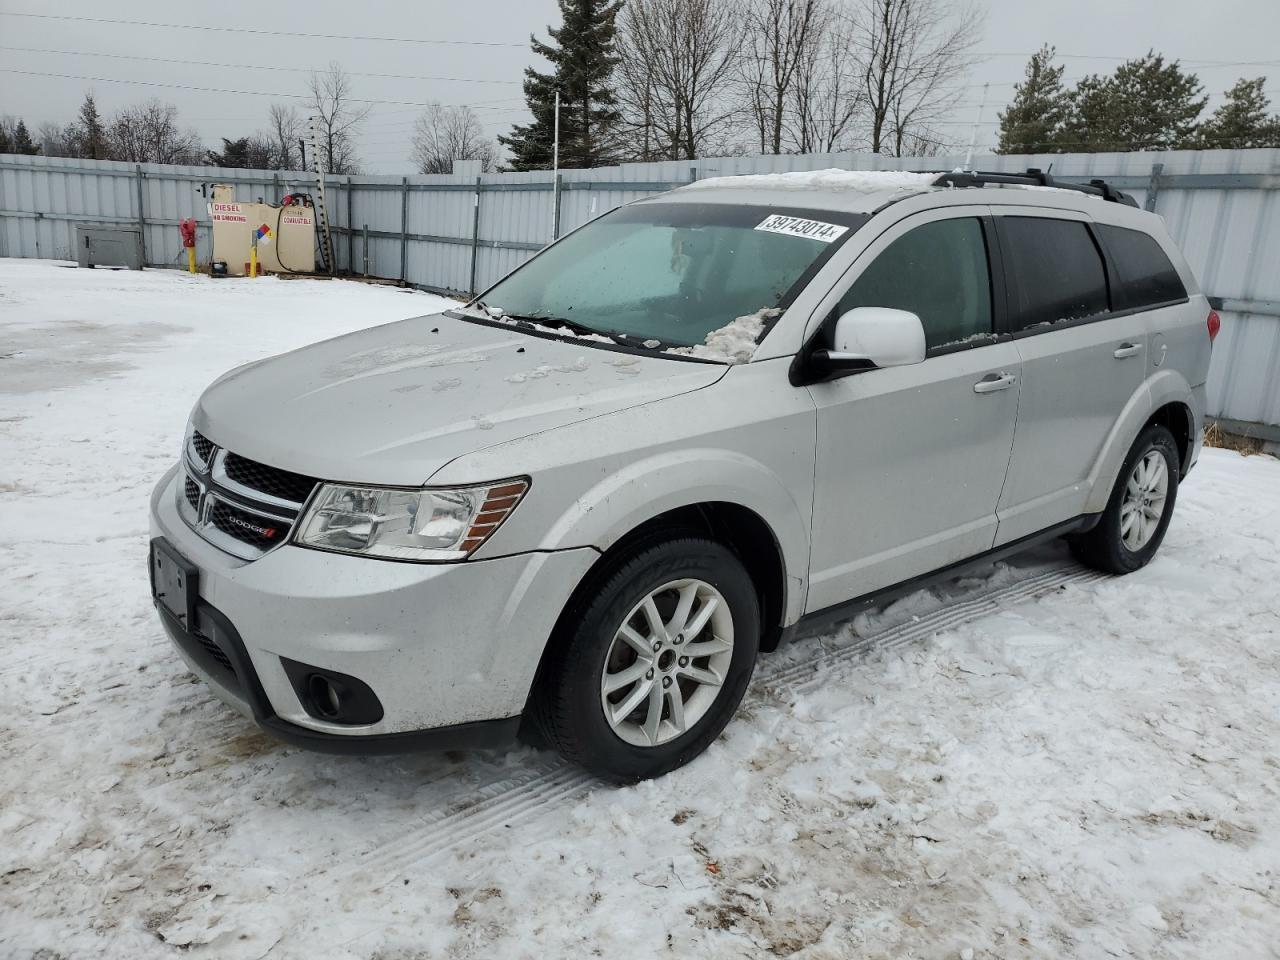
{"x": 1219, "y": 40}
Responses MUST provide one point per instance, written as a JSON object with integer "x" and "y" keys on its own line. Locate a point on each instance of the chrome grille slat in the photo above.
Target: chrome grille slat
{"x": 234, "y": 513}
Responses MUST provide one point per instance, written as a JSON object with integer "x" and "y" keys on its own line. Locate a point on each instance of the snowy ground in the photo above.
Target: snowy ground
{"x": 1037, "y": 762}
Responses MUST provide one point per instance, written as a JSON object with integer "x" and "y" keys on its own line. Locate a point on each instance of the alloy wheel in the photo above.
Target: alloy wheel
{"x": 1144, "y": 500}
{"x": 667, "y": 662}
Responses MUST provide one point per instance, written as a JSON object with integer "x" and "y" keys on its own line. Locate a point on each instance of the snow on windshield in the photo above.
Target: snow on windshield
{"x": 853, "y": 181}
{"x": 497, "y": 313}
{"x": 735, "y": 342}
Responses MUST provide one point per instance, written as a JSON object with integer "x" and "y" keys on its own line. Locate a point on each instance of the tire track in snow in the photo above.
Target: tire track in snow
{"x": 510, "y": 800}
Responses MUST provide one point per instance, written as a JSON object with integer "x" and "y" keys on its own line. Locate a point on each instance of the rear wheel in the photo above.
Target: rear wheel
{"x": 1136, "y": 517}
{"x": 656, "y": 662}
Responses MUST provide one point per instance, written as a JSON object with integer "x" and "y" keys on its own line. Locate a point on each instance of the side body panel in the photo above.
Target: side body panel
{"x": 1075, "y": 384}
{"x": 1089, "y": 388}
{"x": 910, "y": 459}
{"x": 910, "y": 465}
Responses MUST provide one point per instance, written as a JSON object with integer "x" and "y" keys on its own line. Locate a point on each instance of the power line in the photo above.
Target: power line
{"x": 252, "y": 66}
{"x": 261, "y": 32}
{"x": 247, "y": 93}
{"x": 1092, "y": 56}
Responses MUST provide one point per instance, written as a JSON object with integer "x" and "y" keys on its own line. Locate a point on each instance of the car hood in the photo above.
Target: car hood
{"x": 394, "y": 403}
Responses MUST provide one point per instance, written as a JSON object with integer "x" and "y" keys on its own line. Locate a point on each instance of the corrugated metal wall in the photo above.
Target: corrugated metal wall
{"x": 462, "y": 233}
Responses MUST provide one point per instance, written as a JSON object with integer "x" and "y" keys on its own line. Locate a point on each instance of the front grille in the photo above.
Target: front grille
{"x": 203, "y": 446}
{"x": 269, "y": 480}
{"x": 257, "y": 531}
{"x": 239, "y": 505}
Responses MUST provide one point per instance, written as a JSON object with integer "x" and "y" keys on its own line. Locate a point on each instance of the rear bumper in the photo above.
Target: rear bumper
{"x": 449, "y": 650}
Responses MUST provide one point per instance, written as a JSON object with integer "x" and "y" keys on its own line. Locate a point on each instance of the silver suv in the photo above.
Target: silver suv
{"x": 582, "y": 504}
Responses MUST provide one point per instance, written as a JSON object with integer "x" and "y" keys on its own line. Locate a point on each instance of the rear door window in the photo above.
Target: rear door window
{"x": 939, "y": 272}
{"x": 1056, "y": 272}
{"x": 1146, "y": 276}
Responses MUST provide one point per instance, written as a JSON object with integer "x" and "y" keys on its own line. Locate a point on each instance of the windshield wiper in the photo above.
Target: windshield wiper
{"x": 564, "y": 323}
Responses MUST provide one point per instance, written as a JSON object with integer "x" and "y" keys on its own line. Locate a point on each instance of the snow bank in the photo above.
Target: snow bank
{"x": 735, "y": 342}
{"x": 847, "y": 181}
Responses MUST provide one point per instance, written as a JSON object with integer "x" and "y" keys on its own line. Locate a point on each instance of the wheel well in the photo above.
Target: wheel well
{"x": 1177, "y": 417}
{"x": 741, "y": 530}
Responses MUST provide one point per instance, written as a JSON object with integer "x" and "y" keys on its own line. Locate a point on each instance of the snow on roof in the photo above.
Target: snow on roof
{"x": 845, "y": 181}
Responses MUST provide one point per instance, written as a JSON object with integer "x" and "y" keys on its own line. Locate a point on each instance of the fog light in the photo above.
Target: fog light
{"x": 324, "y": 695}
{"x": 331, "y": 696}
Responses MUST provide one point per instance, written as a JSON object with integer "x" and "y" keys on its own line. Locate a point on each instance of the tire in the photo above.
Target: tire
{"x": 603, "y": 640}
{"x": 1115, "y": 545}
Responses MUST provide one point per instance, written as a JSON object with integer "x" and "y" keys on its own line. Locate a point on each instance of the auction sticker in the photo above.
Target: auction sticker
{"x": 799, "y": 227}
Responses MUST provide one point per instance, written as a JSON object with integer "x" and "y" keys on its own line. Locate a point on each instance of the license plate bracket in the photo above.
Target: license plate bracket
{"x": 174, "y": 582}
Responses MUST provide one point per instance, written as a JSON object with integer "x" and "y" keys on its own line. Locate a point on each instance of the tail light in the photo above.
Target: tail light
{"x": 1214, "y": 323}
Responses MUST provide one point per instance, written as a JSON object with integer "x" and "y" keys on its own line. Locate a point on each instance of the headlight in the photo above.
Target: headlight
{"x": 425, "y": 524}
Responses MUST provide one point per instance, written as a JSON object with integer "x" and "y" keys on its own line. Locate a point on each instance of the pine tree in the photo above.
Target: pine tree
{"x": 22, "y": 142}
{"x": 582, "y": 55}
{"x": 234, "y": 153}
{"x": 1146, "y": 104}
{"x": 1032, "y": 123}
{"x": 92, "y": 135}
{"x": 1242, "y": 121}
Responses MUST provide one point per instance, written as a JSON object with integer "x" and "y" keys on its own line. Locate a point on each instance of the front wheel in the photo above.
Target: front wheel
{"x": 656, "y": 663}
{"x": 1136, "y": 517}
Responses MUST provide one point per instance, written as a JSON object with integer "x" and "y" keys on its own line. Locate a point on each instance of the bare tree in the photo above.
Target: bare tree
{"x": 284, "y": 129}
{"x": 828, "y": 97}
{"x": 149, "y": 133}
{"x": 676, "y": 74}
{"x": 779, "y": 43}
{"x": 337, "y": 118}
{"x": 443, "y": 134}
{"x": 913, "y": 53}
{"x": 59, "y": 140}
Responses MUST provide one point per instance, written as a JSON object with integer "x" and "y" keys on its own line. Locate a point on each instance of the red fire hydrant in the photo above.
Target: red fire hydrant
{"x": 188, "y": 230}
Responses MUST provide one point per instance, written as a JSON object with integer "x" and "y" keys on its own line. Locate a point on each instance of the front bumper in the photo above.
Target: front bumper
{"x": 450, "y": 650}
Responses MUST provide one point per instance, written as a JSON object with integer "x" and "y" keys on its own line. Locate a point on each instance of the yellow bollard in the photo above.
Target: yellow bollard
{"x": 253, "y": 259}
{"x": 191, "y": 259}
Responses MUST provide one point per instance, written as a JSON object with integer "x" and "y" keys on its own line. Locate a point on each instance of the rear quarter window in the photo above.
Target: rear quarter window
{"x": 1056, "y": 270}
{"x": 1146, "y": 276}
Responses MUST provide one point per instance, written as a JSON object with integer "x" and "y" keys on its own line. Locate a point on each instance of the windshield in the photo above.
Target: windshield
{"x": 673, "y": 272}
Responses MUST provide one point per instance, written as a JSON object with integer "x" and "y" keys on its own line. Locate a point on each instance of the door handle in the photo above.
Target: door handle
{"x": 1127, "y": 350}
{"x": 995, "y": 381}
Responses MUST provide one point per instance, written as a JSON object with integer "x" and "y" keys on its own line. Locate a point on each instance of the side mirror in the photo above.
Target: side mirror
{"x": 867, "y": 337}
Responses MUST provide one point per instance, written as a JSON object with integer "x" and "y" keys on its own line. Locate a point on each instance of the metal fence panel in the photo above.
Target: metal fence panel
{"x": 1222, "y": 207}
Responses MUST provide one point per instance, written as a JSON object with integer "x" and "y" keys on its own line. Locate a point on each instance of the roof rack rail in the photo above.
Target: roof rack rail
{"x": 1033, "y": 177}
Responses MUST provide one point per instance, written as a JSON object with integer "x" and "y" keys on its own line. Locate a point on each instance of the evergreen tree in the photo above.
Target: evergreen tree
{"x": 1146, "y": 104}
{"x": 21, "y": 140}
{"x": 582, "y": 55}
{"x": 235, "y": 153}
{"x": 1243, "y": 120}
{"x": 1032, "y": 123}
{"x": 92, "y": 135}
